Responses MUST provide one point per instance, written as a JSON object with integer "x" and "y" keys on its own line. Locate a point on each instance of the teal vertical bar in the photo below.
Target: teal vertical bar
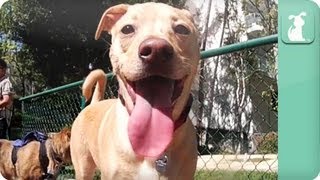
{"x": 299, "y": 47}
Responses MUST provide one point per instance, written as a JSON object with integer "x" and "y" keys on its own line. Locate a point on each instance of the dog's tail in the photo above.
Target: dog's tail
{"x": 96, "y": 77}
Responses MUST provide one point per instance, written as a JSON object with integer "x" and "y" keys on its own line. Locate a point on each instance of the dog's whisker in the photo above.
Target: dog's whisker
{"x": 106, "y": 41}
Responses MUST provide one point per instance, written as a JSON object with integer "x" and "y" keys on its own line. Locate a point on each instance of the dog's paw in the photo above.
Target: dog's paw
{"x": 48, "y": 176}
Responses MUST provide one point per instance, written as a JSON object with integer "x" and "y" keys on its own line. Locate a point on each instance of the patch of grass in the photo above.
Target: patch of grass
{"x": 238, "y": 175}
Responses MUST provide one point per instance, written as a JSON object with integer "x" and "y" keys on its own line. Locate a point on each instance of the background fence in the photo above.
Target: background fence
{"x": 234, "y": 112}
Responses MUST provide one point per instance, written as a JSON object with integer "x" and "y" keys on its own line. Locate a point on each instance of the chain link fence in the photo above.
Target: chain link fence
{"x": 234, "y": 112}
{"x": 57, "y": 108}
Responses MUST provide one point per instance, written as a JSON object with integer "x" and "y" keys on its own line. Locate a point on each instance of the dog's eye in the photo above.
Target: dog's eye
{"x": 181, "y": 29}
{"x": 127, "y": 29}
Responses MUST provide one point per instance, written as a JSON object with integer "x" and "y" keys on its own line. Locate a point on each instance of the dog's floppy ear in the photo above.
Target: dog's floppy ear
{"x": 66, "y": 132}
{"x": 110, "y": 17}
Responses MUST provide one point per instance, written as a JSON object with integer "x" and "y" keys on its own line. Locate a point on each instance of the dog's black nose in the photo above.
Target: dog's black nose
{"x": 155, "y": 49}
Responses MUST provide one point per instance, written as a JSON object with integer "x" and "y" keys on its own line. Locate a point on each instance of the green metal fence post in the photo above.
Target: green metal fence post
{"x": 83, "y": 102}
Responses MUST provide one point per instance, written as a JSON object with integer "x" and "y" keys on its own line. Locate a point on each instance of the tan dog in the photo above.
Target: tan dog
{"x": 145, "y": 133}
{"x": 27, "y": 164}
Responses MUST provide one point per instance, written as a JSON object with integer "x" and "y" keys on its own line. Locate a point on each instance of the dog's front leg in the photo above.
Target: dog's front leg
{"x": 51, "y": 169}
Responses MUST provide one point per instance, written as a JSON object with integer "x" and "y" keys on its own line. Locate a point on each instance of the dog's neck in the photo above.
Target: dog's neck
{"x": 53, "y": 152}
{"x": 183, "y": 116}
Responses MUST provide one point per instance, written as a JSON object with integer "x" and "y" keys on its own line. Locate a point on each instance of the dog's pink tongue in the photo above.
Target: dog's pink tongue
{"x": 150, "y": 126}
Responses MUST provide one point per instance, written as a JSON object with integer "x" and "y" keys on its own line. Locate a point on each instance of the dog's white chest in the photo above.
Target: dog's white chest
{"x": 147, "y": 171}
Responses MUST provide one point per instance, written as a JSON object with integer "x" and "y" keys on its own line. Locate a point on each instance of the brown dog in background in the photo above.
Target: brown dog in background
{"x": 145, "y": 132}
{"x": 28, "y": 165}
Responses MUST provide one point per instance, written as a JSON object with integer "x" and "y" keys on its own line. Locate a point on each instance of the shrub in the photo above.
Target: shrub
{"x": 268, "y": 144}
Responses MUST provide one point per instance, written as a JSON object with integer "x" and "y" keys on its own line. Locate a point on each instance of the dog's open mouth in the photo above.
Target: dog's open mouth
{"x": 156, "y": 89}
{"x": 151, "y": 127}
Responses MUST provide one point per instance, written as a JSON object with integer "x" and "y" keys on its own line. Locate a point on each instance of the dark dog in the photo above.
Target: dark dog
{"x": 35, "y": 160}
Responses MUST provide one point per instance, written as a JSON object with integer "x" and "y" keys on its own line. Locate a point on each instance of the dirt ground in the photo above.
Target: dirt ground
{"x": 256, "y": 162}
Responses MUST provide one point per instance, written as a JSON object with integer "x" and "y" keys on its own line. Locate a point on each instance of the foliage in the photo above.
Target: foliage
{"x": 268, "y": 144}
{"x": 267, "y": 10}
{"x": 15, "y": 16}
{"x": 22, "y": 67}
{"x": 272, "y": 95}
{"x": 14, "y": 19}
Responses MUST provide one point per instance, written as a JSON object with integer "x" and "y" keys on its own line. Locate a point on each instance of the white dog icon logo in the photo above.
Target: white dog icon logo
{"x": 295, "y": 30}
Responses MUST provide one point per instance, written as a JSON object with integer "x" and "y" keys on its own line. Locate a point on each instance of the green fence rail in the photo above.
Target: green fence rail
{"x": 235, "y": 114}
{"x": 240, "y": 46}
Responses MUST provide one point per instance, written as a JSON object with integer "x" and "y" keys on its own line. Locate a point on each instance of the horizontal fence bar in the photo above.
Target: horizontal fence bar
{"x": 60, "y": 88}
{"x": 204, "y": 54}
{"x": 240, "y": 46}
